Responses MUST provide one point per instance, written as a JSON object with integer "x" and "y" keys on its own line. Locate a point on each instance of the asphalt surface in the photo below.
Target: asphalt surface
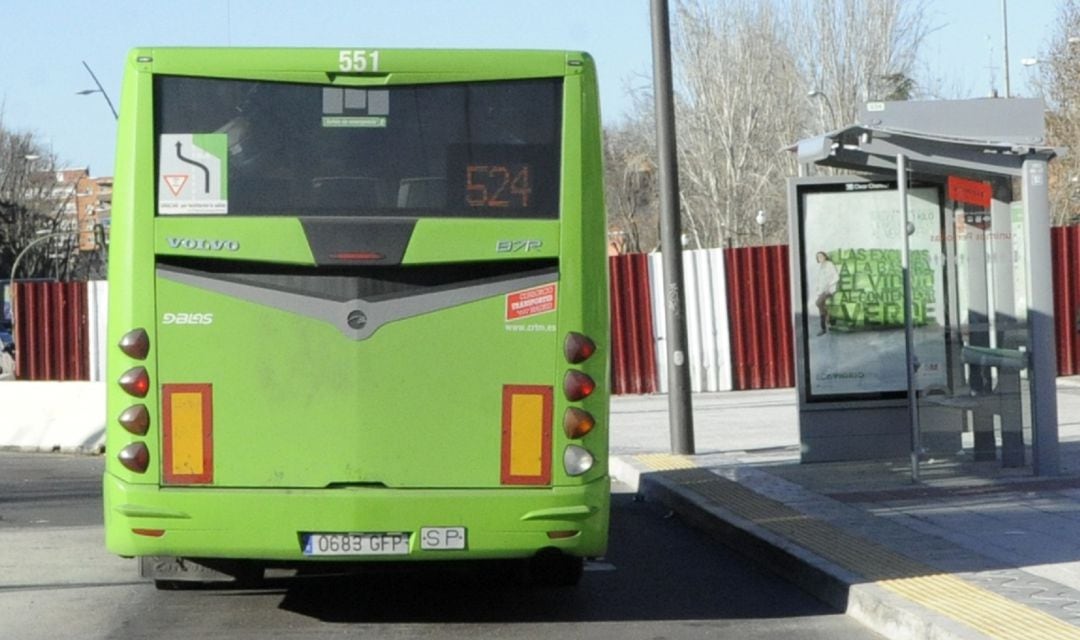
{"x": 661, "y": 578}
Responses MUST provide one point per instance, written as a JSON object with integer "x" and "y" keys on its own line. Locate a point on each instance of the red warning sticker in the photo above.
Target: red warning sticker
{"x": 530, "y": 302}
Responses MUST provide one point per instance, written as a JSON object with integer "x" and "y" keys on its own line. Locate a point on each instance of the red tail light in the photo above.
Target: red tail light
{"x": 578, "y": 347}
{"x": 136, "y": 419}
{"x": 135, "y": 343}
{"x": 135, "y": 457}
{"x": 136, "y": 382}
{"x": 578, "y": 385}
{"x": 577, "y": 422}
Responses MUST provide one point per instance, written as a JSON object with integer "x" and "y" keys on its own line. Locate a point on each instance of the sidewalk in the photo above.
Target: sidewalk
{"x": 971, "y": 551}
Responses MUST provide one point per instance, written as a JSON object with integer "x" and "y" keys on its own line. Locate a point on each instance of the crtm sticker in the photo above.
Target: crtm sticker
{"x": 530, "y": 302}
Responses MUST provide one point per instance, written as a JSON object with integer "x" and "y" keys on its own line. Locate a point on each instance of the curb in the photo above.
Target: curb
{"x": 874, "y": 606}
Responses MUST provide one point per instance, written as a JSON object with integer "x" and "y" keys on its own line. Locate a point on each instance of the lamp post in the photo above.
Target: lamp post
{"x": 14, "y": 290}
{"x": 817, "y": 93}
{"x": 100, "y": 89}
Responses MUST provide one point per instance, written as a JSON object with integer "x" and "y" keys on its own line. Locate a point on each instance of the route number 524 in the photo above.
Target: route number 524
{"x": 358, "y": 60}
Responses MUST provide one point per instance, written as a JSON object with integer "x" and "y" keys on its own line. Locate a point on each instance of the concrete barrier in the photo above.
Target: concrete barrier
{"x": 52, "y": 416}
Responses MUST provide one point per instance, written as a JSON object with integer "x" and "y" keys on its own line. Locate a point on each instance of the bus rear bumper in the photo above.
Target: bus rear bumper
{"x": 264, "y": 524}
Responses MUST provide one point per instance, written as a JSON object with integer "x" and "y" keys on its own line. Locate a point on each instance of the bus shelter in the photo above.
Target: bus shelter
{"x": 923, "y": 297}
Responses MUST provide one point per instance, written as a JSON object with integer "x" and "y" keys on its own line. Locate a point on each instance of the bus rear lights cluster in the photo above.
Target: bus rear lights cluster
{"x": 136, "y": 419}
{"x": 136, "y": 344}
{"x": 578, "y": 385}
{"x": 136, "y": 382}
{"x": 135, "y": 457}
{"x": 577, "y": 423}
{"x": 577, "y": 460}
{"x": 578, "y": 347}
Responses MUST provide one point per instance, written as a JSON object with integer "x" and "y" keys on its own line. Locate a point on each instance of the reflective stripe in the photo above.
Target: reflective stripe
{"x": 187, "y": 430}
{"x": 526, "y": 432}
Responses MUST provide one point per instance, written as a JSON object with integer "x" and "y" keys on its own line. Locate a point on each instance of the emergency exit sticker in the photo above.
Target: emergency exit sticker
{"x": 530, "y": 302}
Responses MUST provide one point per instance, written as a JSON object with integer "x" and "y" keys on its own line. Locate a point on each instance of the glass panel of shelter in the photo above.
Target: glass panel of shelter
{"x": 982, "y": 412}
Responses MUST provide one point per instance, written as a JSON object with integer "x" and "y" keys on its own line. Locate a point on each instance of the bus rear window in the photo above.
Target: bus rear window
{"x": 478, "y": 150}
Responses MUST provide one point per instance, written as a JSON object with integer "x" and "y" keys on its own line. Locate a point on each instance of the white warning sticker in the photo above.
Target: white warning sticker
{"x": 193, "y": 174}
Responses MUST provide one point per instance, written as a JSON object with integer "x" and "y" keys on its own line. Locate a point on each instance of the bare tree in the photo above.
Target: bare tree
{"x": 630, "y": 182}
{"x": 739, "y": 102}
{"x": 748, "y": 78}
{"x": 30, "y": 205}
{"x": 1060, "y": 83}
{"x": 855, "y": 51}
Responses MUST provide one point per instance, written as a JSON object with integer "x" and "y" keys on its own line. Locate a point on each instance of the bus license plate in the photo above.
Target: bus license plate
{"x": 356, "y": 544}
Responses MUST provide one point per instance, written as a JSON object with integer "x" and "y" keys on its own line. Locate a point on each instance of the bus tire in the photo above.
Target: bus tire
{"x": 552, "y": 568}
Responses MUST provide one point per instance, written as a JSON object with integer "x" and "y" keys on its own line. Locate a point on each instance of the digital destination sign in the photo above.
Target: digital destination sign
{"x": 512, "y": 179}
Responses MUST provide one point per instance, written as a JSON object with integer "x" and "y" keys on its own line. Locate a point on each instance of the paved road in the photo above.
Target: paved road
{"x": 661, "y": 579}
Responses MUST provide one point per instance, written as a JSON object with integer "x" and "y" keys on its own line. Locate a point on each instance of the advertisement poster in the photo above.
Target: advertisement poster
{"x": 853, "y": 290}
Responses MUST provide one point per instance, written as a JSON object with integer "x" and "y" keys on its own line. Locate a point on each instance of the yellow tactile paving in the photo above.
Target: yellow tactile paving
{"x": 665, "y": 461}
{"x": 991, "y": 614}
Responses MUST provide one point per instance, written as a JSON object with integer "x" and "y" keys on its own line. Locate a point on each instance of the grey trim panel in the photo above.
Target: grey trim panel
{"x": 357, "y": 319}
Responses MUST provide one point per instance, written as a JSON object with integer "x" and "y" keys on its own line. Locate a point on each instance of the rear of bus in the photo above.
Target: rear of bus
{"x": 358, "y": 309}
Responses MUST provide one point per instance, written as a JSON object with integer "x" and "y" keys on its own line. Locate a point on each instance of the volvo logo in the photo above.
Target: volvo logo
{"x": 357, "y": 319}
{"x": 200, "y": 244}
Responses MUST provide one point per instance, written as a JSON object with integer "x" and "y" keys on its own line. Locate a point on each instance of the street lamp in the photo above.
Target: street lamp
{"x": 100, "y": 89}
{"x": 817, "y": 93}
{"x": 14, "y": 292}
{"x": 760, "y": 219}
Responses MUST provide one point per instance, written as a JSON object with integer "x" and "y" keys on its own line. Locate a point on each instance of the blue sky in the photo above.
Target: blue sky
{"x": 44, "y": 42}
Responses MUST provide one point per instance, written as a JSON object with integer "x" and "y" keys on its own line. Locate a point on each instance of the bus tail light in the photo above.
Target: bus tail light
{"x": 578, "y": 347}
{"x": 577, "y": 423}
{"x": 187, "y": 433}
{"x": 577, "y": 460}
{"x": 578, "y": 385}
{"x": 135, "y": 457}
{"x": 136, "y": 382}
{"x": 136, "y": 344}
{"x": 526, "y": 434}
{"x": 136, "y": 419}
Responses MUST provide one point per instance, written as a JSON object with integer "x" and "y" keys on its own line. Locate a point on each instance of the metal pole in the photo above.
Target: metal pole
{"x": 1005, "y": 35}
{"x": 1043, "y": 356}
{"x": 680, "y": 411}
{"x": 909, "y": 324}
{"x": 14, "y": 293}
{"x": 116, "y": 116}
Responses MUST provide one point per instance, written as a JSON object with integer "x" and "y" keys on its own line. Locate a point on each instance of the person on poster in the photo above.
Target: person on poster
{"x": 828, "y": 278}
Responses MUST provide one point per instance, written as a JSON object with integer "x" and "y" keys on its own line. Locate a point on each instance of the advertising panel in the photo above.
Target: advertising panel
{"x": 853, "y": 290}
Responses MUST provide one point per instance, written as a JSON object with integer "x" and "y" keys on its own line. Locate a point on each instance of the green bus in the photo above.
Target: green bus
{"x": 358, "y": 299}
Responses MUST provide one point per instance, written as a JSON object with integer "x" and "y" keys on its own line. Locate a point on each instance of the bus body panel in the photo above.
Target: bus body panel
{"x": 298, "y": 403}
{"x": 268, "y": 524}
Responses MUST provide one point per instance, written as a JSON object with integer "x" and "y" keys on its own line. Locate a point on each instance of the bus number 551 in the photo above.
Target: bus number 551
{"x": 358, "y": 60}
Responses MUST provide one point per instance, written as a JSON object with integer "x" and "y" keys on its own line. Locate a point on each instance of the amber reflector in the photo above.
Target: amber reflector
{"x": 136, "y": 382}
{"x": 578, "y": 348}
{"x": 577, "y": 385}
{"x": 577, "y": 422}
{"x": 558, "y": 535}
{"x": 136, "y": 419}
{"x": 136, "y": 344}
{"x": 150, "y": 533}
{"x": 135, "y": 457}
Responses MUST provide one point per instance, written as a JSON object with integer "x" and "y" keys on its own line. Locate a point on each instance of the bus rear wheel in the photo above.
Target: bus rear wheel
{"x": 553, "y": 568}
